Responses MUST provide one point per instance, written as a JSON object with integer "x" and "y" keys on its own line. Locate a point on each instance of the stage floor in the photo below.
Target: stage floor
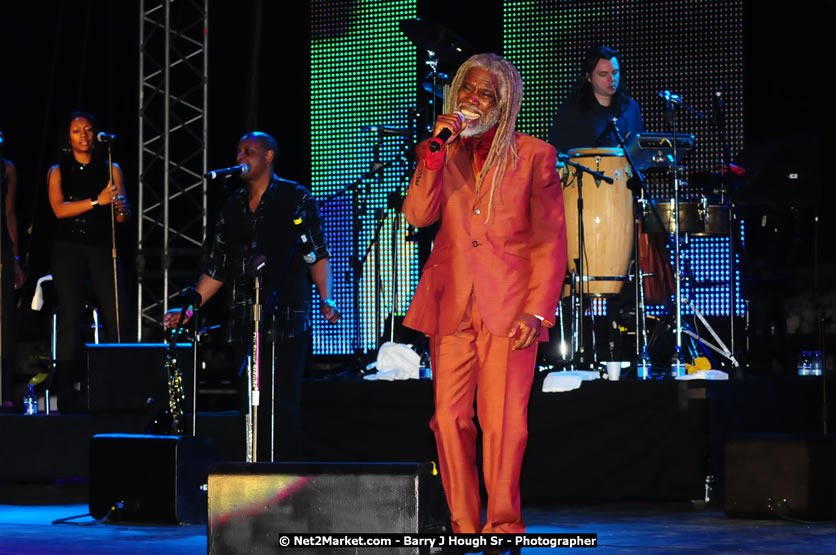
{"x": 622, "y": 528}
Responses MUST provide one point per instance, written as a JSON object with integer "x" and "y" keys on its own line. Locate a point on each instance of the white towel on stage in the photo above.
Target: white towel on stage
{"x": 557, "y": 382}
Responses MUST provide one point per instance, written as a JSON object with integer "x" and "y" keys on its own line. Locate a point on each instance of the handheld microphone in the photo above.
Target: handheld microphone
{"x": 241, "y": 169}
{"x": 103, "y": 137}
{"x": 438, "y": 141}
{"x": 309, "y": 255}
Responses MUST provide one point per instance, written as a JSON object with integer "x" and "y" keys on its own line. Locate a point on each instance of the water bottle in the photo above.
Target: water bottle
{"x": 815, "y": 363}
{"x": 809, "y": 363}
{"x": 677, "y": 366}
{"x": 424, "y": 367}
{"x": 643, "y": 366}
{"x": 30, "y": 400}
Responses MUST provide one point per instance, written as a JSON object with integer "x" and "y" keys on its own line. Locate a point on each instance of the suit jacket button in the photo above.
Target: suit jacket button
{"x": 475, "y": 243}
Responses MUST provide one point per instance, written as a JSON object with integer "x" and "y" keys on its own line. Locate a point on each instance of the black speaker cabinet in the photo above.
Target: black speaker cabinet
{"x": 251, "y": 505}
{"x": 156, "y": 479}
{"x": 777, "y": 476}
{"x": 133, "y": 377}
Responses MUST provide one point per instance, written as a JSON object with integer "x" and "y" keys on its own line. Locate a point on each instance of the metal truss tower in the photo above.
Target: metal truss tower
{"x": 173, "y": 131}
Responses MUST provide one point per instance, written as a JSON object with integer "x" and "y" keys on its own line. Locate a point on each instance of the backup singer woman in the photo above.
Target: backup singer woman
{"x": 80, "y": 194}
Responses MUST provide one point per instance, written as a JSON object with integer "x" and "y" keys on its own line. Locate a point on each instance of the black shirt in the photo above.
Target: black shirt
{"x": 79, "y": 182}
{"x": 242, "y": 235}
{"x": 574, "y": 127}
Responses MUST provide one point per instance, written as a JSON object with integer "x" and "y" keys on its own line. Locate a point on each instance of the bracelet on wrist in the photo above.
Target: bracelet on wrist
{"x": 94, "y": 202}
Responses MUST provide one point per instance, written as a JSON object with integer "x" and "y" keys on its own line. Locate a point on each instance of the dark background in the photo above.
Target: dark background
{"x": 60, "y": 56}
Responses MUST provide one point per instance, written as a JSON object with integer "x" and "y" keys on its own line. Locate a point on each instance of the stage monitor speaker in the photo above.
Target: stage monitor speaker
{"x": 781, "y": 476}
{"x": 252, "y": 505}
{"x": 156, "y": 479}
{"x": 133, "y": 377}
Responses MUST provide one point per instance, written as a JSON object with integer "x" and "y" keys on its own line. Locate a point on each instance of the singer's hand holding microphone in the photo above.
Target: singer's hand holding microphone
{"x": 447, "y": 127}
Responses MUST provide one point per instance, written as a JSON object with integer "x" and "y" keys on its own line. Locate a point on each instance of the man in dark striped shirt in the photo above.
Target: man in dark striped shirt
{"x": 270, "y": 227}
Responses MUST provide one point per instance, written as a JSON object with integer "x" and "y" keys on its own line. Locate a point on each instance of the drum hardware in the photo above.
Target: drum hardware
{"x": 441, "y": 45}
{"x": 353, "y": 188}
{"x": 721, "y": 349}
{"x": 671, "y": 104}
{"x": 696, "y": 218}
{"x": 431, "y": 36}
{"x": 637, "y": 187}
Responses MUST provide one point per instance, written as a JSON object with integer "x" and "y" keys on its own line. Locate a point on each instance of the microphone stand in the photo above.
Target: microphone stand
{"x": 357, "y": 263}
{"x": 2, "y": 224}
{"x": 195, "y": 340}
{"x": 394, "y": 201}
{"x": 254, "y": 367}
{"x": 113, "y": 245}
{"x": 577, "y": 304}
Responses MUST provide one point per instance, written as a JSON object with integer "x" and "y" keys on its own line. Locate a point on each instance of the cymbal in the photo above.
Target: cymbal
{"x": 427, "y": 35}
{"x": 439, "y": 89}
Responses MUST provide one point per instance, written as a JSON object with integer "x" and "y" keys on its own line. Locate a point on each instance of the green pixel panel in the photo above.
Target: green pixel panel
{"x": 362, "y": 75}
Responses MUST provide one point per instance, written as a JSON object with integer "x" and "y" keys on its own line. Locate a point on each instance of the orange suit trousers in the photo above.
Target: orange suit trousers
{"x": 472, "y": 363}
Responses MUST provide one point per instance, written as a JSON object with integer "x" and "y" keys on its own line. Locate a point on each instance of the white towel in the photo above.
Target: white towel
{"x": 558, "y": 382}
{"x": 396, "y": 361}
{"x": 38, "y": 297}
{"x": 705, "y": 375}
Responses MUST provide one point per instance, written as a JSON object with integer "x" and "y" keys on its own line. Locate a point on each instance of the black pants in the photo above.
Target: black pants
{"x": 9, "y": 322}
{"x": 282, "y": 414}
{"x": 74, "y": 265}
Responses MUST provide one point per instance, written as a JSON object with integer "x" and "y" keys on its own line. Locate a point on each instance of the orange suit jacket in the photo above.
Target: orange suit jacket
{"x": 514, "y": 263}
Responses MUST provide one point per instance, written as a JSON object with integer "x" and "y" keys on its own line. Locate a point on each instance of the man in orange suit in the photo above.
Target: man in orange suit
{"x": 490, "y": 287}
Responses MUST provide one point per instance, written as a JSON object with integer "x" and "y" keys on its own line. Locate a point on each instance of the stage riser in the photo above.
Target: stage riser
{"x": 653, "y": 440}
{"x": 781, "y": 477}
{"x": 251, "y": 506}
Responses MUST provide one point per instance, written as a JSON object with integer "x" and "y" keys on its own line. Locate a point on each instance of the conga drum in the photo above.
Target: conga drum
{"x": 607, "y": 219}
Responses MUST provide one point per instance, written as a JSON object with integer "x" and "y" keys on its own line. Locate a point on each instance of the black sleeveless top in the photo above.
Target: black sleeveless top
{"x": 80, "y": 182}
{"x": 4, "y": 189}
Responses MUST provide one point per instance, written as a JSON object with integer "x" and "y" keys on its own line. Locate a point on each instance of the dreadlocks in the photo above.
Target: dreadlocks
{"x": 508, "y": 90}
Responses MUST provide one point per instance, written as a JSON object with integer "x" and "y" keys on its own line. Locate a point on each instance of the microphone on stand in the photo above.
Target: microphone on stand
{"x": 241, "y": 169}
{"x": 670, "y": 97}
{"x": 386, "y": 130}
{"x": 103, "y": 137}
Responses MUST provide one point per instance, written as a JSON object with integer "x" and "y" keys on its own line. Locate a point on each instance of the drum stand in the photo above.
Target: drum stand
{"x": 671, "y": 102}
{"x": 637, "y": 188}
{"x": 577, "y": 279}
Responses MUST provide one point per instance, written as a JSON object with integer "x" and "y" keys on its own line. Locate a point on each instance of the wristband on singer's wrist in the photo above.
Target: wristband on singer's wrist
{"x": 94, "y": 202}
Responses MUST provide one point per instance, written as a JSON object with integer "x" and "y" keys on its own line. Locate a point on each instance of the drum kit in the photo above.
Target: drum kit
{"x": 608, "y": 221}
